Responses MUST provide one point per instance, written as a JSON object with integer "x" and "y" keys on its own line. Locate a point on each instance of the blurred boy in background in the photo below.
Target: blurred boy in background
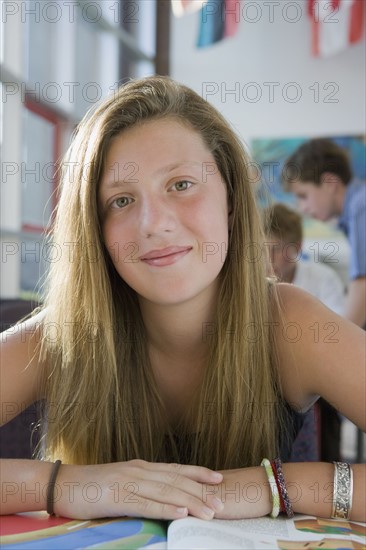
{"x": 284, "y": 236}
{"x": 320, "y": 176}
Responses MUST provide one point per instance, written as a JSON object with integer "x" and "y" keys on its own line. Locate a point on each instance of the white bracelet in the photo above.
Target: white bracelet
{"x": 274, "y": 489}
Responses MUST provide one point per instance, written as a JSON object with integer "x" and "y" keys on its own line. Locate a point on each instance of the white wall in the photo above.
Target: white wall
{"x": 280, "y": 52}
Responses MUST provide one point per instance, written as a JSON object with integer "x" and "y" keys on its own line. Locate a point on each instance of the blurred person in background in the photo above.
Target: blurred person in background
{"x": 320, "y": 175}
{"x": 284, "y": 234}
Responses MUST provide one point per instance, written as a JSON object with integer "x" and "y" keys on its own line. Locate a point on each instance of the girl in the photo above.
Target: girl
{"x": 162, "y": 350}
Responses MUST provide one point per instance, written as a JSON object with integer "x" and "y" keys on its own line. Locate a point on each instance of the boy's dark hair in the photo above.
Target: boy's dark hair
{"x": 312, "y": 159}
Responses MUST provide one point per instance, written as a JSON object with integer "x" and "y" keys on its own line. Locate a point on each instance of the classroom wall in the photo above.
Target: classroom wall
{"x": 265, "y": 79}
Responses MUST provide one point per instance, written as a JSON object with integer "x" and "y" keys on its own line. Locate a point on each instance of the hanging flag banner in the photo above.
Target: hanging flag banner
{"x": 232, "y": 17}
{"x": 336, "y": 24}
{"x": 218, "y": 19}
{"x": 184, "y": 7}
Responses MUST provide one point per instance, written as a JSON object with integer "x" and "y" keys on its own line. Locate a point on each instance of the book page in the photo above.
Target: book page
{"x": 282, "y": 533}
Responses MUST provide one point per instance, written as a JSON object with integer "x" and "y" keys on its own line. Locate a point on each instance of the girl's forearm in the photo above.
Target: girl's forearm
{"x": 310, "y": 488}
{"x": 24, "y": 485}
{"x": 246, "y": 492}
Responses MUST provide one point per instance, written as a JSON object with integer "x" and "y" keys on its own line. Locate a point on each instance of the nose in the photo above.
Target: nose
{"x": 156, "y": 216}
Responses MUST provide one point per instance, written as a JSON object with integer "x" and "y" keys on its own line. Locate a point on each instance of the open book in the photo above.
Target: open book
{"x": 282, "y": 533}
{"x": 37, "y": 531}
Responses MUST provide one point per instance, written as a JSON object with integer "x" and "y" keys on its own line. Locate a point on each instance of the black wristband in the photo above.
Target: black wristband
{"x": 51, "y": 487}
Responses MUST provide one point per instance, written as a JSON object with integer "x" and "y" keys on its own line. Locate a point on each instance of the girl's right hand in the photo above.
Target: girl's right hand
{"x": 136, "y": 488}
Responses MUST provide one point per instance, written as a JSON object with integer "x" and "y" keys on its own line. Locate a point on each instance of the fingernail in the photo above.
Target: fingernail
{"x": 182, "y": 511}
{"x": 208, "y": 512}
{"x": 218, "y": 504}
{"x": 217, "y": 476}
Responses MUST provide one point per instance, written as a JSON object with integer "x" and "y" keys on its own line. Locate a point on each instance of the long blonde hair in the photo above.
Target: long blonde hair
{"x": 103, "y": 402}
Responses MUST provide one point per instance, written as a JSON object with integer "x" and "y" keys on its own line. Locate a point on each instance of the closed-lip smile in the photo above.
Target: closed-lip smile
{"x": 165, "y": 256}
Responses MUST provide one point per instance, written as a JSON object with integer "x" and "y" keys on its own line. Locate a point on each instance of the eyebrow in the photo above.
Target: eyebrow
{"x": 131, "y": 177}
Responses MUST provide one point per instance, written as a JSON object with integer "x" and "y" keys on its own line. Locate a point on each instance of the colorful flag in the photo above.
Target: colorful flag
{"x": 232, "y": 17}
{"x": 218, "y": 19}
{"x": 336, "y": 24}
{"x": 183, "y": 7}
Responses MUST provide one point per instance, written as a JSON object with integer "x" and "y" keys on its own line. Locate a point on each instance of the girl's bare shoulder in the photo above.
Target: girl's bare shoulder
{"x": 20, "y": 371}
{"x": 320, "y": 353}
{"x": 290, "y": 296}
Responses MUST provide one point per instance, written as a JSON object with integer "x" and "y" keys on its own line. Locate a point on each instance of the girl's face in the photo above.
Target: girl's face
{"x": 164, "y": 212}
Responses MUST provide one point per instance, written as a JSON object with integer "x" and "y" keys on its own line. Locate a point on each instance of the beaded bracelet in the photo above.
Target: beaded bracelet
{"x": 282, "y": 504}
{"x": 273, "y": 485}
{"x": 51, "y": 487}
{"x": 343, "y": 490}
{"x": 280, "y": 479}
